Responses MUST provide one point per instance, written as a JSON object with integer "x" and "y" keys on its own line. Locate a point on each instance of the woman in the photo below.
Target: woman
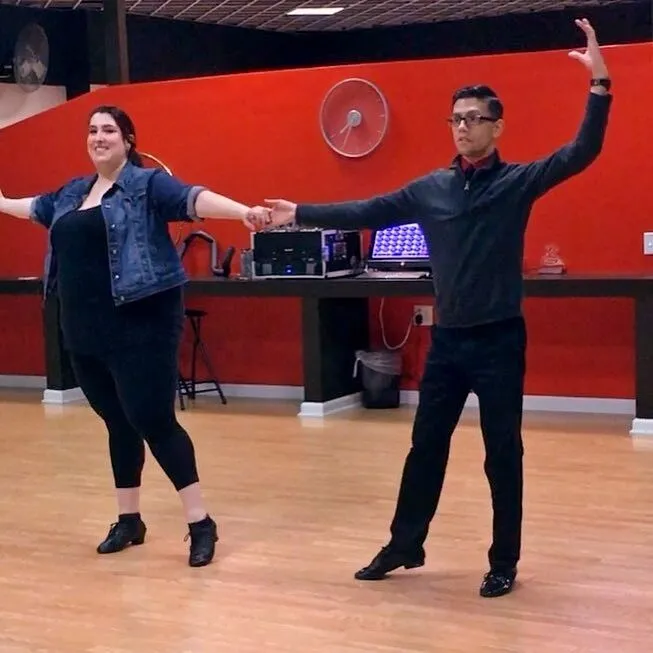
{"x": 119, "y": 281}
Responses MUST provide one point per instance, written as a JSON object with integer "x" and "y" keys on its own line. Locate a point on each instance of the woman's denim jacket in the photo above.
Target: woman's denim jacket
{"x": 143, "y": 259}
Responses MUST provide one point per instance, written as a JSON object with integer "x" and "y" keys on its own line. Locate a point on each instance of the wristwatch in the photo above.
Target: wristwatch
{"x": 606, "y": 82}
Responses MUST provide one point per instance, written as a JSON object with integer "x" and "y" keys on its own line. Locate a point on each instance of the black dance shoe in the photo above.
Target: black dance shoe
{"x": 127, "y": 530}
{"x": 389, "y": 559}
{"x": 203, "y": 536}
{"x": 497, "y": 582}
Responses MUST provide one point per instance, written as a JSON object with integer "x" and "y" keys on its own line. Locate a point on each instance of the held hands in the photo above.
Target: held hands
{"x": 282, "y": 212}
{"x": 279, "y": 213}
{"x": 257, "y": 217}
{"x": 591, "y": 57}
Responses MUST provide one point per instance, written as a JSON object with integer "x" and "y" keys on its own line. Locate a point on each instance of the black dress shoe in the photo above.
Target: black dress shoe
{"x": 123, "y": 533}
{"x": 203, "y": 536}
{"x": 389, "y": 559}
{"x": 497, "y": 582}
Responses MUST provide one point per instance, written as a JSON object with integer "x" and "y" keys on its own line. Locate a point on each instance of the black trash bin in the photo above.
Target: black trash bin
{"x": 380, "y": 374}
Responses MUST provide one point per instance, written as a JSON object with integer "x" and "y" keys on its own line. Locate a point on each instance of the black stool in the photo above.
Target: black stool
{"x": 188, "y": 386}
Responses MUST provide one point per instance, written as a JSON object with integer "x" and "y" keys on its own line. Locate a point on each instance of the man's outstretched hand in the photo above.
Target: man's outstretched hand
{"x": 282, "y": 212}
{"x": 591, "y": 57}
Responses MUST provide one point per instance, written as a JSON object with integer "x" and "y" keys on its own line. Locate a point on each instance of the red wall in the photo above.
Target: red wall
{"x": 257, "y": 135}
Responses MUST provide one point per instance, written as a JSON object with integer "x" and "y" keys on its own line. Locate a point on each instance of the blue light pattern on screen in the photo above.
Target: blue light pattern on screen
{"x": 402, "y": 242}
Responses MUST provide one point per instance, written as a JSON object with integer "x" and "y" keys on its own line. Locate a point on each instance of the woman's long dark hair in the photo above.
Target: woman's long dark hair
{"x": 126, "y": 127}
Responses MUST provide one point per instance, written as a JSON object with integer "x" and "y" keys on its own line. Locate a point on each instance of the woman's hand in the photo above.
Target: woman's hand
{"x": 258, "y": 217}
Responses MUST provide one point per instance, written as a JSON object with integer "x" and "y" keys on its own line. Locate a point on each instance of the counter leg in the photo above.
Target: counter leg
{"x": 61, "y": 385}
{"x": 643, "y": 421}
{"x": 333, "y": 329}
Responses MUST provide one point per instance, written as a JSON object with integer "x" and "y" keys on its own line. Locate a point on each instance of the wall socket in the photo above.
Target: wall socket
{"x": 648, "y": 242}
{"x": 423, "y": 315}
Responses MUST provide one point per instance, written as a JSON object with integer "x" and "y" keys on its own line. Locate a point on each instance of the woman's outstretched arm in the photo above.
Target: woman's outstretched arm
{"x": 178, "y": 201}
{"x": 19, "y": 208}
{"x": 213, "y": 205}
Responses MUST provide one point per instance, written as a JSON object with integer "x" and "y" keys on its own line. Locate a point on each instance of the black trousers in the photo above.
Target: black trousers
{"x": 488, "y": 360}
{"x": 133, "y": 390}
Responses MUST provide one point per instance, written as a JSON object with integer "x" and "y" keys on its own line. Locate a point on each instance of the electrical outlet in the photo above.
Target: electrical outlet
{"x": 422, "y": 315}
{"x": 648, "y": 242}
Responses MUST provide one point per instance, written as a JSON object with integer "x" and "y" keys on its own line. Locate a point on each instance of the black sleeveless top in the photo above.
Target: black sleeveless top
{"x": 90, "y": 321}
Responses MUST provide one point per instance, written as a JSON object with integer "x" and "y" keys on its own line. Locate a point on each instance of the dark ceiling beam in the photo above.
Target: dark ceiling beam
{"x": 114, "y": 18}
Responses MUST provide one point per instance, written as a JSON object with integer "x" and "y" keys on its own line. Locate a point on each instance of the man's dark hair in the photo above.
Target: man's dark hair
{"x": 481, "y": 92}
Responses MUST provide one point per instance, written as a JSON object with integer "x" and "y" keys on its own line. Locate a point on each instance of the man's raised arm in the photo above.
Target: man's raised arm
{"x": 574, "y": 157}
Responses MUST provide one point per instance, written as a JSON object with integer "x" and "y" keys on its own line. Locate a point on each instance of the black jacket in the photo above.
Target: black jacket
{"x": 474, "y": 228}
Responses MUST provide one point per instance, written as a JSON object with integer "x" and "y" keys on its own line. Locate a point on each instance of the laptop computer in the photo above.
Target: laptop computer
{"x": 398, "y": 252}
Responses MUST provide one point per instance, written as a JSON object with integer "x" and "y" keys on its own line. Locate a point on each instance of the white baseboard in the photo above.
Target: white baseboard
{"x": 317, "y": 409}
{"x": 22, "y": 382}
{"x": 253, "y": 391}
{"x": 550, "y": 404}
{"x": 591, "y": 405}
{"x": 286, "y": 392}
{"x": 52, "y": 397}
{"x": 63, "y": 396}
{"x": 642, "y": 427}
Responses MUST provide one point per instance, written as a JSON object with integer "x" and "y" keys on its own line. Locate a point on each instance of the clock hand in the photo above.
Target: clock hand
{"x": 347, "y": 136}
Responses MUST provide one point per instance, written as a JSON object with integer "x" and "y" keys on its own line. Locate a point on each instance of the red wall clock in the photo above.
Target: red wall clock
{"x": 354, "y": 117}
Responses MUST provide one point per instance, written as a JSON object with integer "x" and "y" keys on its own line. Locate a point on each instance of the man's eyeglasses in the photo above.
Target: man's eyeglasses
{"x": 471, "y": 119}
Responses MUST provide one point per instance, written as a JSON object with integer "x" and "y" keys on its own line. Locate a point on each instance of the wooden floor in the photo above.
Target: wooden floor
{"x": 300, "y": 508}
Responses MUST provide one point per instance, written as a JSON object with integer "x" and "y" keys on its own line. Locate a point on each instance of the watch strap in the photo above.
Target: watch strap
{"x": 601, "y": 81}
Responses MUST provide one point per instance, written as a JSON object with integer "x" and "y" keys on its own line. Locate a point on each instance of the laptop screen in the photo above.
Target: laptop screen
{"x": 401, "y": 246}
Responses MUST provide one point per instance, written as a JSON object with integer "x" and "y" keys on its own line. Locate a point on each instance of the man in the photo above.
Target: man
{"x": 473, "y": 215}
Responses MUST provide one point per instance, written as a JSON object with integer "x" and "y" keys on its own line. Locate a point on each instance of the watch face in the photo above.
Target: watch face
{"x": 354, "y": 117}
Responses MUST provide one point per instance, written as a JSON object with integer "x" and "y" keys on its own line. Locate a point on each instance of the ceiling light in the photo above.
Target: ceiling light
{"x": 315, "y": 11}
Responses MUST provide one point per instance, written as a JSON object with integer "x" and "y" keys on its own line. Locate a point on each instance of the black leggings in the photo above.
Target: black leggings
{"x": 133, "y": 390}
